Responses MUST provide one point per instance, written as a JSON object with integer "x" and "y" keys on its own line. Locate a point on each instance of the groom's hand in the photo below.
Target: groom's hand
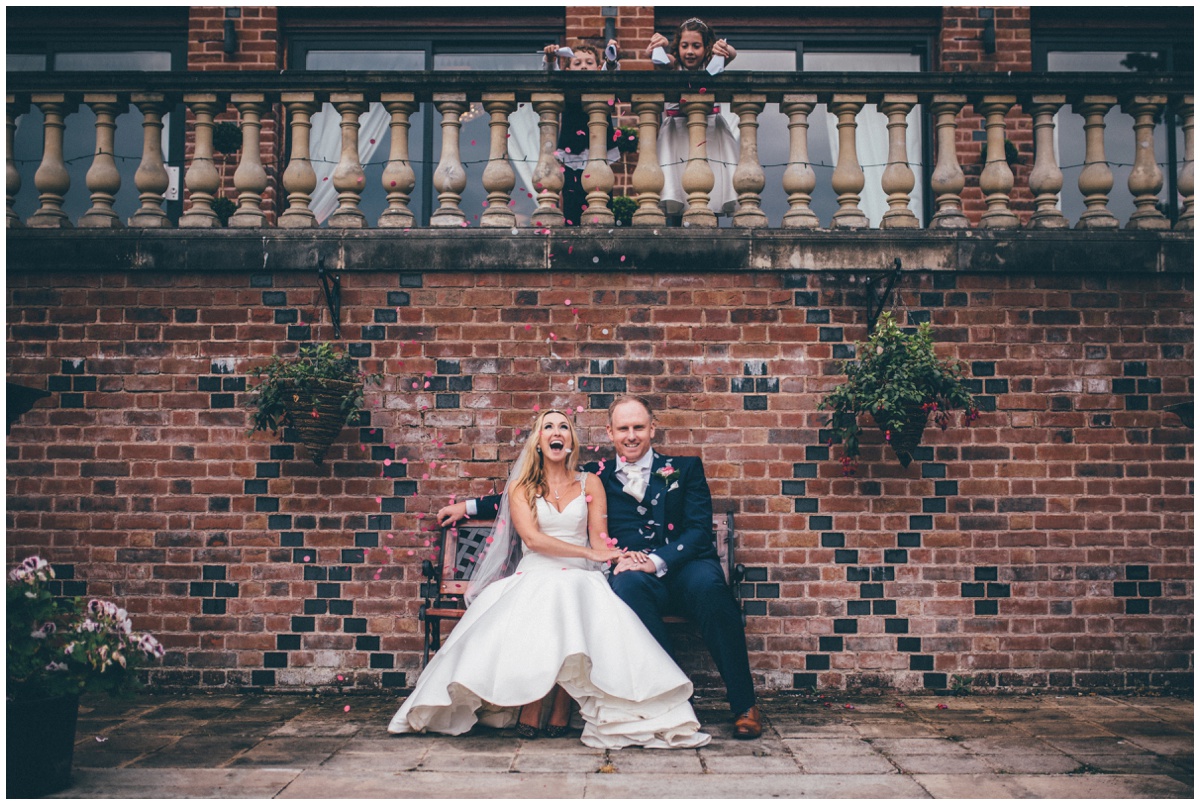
{"x": 448, "y": 515}
{"x": 634, "y": 561}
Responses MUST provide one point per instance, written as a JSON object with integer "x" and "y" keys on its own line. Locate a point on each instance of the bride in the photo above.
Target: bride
{"x": 542, "y": 617}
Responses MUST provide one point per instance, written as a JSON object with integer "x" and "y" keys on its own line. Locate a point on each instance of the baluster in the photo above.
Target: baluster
{"x": 498, "y": 177}
{"x": 897, "y": 180}
{"x": 648, "y": 175}
{"x": 51, "y": 179}
{"x": 698, "y": 179}
{"x": 1146, "y": 178}
{"x": 12, "y": 183}
{"x": 848, "y": 178}
{"x": 548, "y": 175}
{"x": 948, "y": 179}
{"x": 597, "y": 178}
{"x": 450, "y": 178}
{"x": 348, "y": 177}
{"x": 250, "y": 179}
{"x": 399, "y": 179}
{"x": 1046, "y": 179}
{"x": 1096, "y": 178}
{"x": 151, "y": 178}
{"x": 749, "y": 179}
{"x": 202, "y": 179}
{"x": 996, "y": 180}
{"x": 103, "y": 180}
{"x": 799, "y": 181}
{"x": 299, "y": 178}
{"x": 1187, "y": 181}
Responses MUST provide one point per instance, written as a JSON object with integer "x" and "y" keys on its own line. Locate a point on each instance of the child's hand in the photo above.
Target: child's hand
{"x": 612, "y": 43}
{"x": 656, "y": 41}
{"x": 550, "y": 50}
{"x": 722, "y": 48}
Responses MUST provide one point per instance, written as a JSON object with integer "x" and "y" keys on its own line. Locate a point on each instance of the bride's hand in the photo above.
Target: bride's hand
{"x": 604, "y": 555}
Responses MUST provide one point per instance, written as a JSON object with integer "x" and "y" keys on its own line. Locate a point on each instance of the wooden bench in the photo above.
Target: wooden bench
{"x": 446, "y": 580}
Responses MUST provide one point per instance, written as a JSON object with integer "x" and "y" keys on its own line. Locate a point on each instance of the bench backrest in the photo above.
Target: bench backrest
{"x": 463, "y": 544}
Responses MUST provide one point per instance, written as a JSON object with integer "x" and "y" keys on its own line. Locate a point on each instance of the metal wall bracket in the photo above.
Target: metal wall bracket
{"x": 878, "y": 300}
{"x": 331, "y": 284}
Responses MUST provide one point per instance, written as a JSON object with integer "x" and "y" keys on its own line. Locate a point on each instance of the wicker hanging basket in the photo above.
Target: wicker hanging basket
{"x": 905, "y": 440}
{"x": 317, "y": 411}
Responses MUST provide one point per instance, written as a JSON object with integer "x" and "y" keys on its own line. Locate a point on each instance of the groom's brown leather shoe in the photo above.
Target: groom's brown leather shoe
{"x": 748, "y": 725}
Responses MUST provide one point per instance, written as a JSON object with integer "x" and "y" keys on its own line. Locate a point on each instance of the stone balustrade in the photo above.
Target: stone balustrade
{"x": 292, "y": 99}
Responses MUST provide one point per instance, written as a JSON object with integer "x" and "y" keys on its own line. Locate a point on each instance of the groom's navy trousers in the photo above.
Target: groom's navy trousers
{"x": 674, "y": 522}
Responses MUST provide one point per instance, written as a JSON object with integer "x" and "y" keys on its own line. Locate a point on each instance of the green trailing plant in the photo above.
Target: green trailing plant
{"x": 626, "y": 139}
{"x": 227, "y": 138}
{"x": 961, "y": 685}
{"x": 64, "y": 646}
{"x": 315, "y": 367}
{"x": 899, "y": 380}
{"x": 623, "y": 208}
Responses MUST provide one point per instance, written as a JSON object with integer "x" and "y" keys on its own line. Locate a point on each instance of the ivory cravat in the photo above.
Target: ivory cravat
{"x": 635, "y": 483}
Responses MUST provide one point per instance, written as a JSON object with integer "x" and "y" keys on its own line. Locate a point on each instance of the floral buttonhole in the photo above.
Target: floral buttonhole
{"x": 668, "y": 474}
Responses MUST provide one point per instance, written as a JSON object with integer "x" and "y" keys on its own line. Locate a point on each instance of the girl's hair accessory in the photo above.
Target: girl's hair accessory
{"x": 696, "y": 20}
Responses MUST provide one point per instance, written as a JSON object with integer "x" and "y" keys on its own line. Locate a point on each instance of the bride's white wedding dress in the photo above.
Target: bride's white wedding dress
{"x": 555, "y": 620}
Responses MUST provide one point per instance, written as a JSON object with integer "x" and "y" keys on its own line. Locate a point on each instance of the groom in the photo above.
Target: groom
{"x": 661, "y": 507}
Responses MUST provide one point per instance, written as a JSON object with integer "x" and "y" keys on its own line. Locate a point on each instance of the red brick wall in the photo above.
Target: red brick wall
{"x": 258, "y": 48}
{"x": 1048, "y": 544}
{"x": 961, "y": 50}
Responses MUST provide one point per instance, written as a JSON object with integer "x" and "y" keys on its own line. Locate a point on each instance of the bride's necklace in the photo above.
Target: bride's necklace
{"x": 554, "y": 489}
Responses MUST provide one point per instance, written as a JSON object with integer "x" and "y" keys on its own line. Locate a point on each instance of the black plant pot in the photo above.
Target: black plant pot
{"x": 41, "y": 745}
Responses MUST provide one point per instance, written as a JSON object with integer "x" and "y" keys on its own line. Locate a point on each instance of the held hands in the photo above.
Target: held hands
{"x": 604, "y": 555}
{"x": 635, "y": 560}
{"x": 448, "y": 515}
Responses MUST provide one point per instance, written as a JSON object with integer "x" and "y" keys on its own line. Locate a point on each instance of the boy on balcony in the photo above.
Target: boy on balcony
{"x": 573, "y": 138}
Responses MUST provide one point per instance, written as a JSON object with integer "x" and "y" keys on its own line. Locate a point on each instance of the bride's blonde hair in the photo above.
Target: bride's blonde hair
{"x": 533, "y": 477}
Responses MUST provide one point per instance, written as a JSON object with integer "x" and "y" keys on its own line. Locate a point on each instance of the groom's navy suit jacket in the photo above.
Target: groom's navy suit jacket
{"x": 673, "y": 521}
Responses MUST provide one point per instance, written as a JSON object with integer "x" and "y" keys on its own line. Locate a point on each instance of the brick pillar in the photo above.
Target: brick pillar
{"x": 258, "y": 48}
{"x": 961, "y": 50}
{"x": 635, "y": 25}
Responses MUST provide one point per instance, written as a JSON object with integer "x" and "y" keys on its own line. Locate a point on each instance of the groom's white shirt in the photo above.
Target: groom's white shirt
{"x": 646, "y": 462}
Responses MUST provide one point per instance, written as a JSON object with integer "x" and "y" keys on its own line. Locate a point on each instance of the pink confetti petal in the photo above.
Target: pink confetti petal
{"x": 567, "y": 302}
{"x": 387, "y": 462}
{"x": 346, "y": 709}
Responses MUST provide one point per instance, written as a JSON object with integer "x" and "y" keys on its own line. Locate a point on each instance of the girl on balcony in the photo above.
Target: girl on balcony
{"x": 695, "y": 48}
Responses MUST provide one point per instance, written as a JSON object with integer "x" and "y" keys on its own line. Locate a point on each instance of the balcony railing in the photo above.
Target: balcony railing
{"x": 292, "y": 99}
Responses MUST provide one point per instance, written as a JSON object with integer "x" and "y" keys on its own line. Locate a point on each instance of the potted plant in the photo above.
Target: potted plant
{"x": 59, "y": 648}
{"x": 899, "y": 380}
{"x": 317, "y": 391}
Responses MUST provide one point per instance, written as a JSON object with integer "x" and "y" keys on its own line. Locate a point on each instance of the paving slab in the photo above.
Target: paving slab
{"x": 198, "y": 751}
{"x": 749, "y": 764}
{"x": 940, "y": 764}
{"x": 181, "y": 783}
{"x": 1105, "y": 786}
{"x": 971, "y": 786}
{"x": 434, "y": 785}
{"x": 1016, "y": 763}
{"x": 290, "y": 752}
{"x": 654, "y": 761}
{"x": 375, "y": 762}
{"x": 442, "y": 759}
{"x": 738, "y": 786}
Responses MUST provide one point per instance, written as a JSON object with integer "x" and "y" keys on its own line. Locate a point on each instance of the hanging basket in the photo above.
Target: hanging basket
{"x": 317, "y": 411}
{"x": 905, "y": 440}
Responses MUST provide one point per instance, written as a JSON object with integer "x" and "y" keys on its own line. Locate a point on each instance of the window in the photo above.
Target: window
{"x": 82, "y": 44}
{"x": 871, "y": 134}
{"x": 1118, "y": 40}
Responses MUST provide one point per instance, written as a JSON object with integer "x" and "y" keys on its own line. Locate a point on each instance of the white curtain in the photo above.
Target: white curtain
{"x": 523, "y": 144}
{"x": 326, "y": 150}
{"x": 871, "y": 142}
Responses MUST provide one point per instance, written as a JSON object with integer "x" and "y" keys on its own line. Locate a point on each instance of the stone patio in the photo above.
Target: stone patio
{"x": 259, "y": 747}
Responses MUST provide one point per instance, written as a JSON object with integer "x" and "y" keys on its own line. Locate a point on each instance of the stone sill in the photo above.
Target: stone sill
{"x": 597, "y": 249}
